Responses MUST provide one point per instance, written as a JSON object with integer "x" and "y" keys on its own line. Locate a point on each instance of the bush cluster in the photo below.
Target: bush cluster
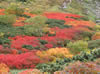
{"x": 57, "y": 23}
{"x": 7, "y": 20}
{"x": 61, "y": 64}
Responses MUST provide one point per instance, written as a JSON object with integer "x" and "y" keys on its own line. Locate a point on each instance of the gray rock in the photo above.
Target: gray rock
{"x": 97, "y": 21}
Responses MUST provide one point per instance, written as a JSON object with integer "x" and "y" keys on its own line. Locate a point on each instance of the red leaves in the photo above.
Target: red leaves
{"x": 61, "y": 16}
{"x": 19, "y": 21}
{"x": 2, "y": 12}
{"x": 54, "y": 15}
{"x": 19, "y": 61}
{"x": 69, "y": 20}
{"x": 19, "y": 41}
{"x": 61, "y": 34}
{"x": 48, "y": 46}
{"x": 1, "y": 47}
{"x": 29, "y": 14}
{"x": 50, "y": 15}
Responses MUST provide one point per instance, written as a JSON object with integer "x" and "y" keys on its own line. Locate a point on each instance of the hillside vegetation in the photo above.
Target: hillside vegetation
{"x": 49, "y": 37}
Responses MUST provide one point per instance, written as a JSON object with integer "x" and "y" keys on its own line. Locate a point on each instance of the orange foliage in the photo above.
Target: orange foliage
{"x": 24, "y": 50}
{"x": 29, "y": 14}
{"x": 14, "y": 51}
{"x": 80, "y": 28}
{"x": 21, "y": 18}
{"x": 31, "y": 71}
{"x": 19, "y": 21}
{"x": 2, "y": 11}
{"x": 52, "y": 32}
{"x": 4, "y": 69}
{"x": 18, "y": 24}
{"x": 81, "y": 22}
{"x": 96, "y": 36}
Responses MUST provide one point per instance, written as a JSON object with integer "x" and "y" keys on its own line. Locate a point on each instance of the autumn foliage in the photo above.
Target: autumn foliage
{"x": 23, "y": 50}
{"x": 54, "y": 53}
{"x": 4, "y": 68}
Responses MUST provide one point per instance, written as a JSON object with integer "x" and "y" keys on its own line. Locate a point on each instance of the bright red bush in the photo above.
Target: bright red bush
{"x": 2, "y": 11}
{"x": 20, "y": 61}
{"x": 48, "y": 46}
{"x": 61, "y": 34}
{"x": 1, "y": 47}
{"x": 18, "y": 41}
{"x": 29, "y": 14}
{"x": 59, "y": 15}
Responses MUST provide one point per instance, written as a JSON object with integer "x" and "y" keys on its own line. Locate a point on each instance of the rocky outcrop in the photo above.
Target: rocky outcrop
{"x": 92, "y": 8}
{"x": 98, "y": 9}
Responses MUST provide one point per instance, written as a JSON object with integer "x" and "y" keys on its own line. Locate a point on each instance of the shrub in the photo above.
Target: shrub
{"x": 5, "y": 50}
{"x": 54, "y": 53}
{"x": 51, "y": 67}
{"x": 23, "y": 61}
{"x": 30, "y": 47}
{"x": 97, "y": 61}
{"x": 34, "y": 71}
{"x": 81, "y": 18}
{"x": 77, "y": 46}
{"x": 96, "y": 36}
{"x": 37, "y": 11}
{"x": 46, "y": 29}
{"x": 96, "y": 53}
{"x": 4, "y": 68}
{"x": 7, "y": 20}
{"x": 4, "y": 41}
{"x": 11, "y": 31}
{"x": 57, "y": 23}
{"x": 24, "y": 40}
{"x": 94, "y": 44}
{"x": 87, "y": 56}
{"x": 40, "y": 20}
{"x": 14, "y": 31}
{"x": 83, "y": 56}
{"x": 35, "y": 26}
{"x": 82, "y": 68}
{"x": 84, "y": 18}
{"x": 86, "y": 35}
{"x": 51, "y": 33}
{"x": 43, "y": 41}
{"x": 97, "y": 27}
{"x": 33, "y": 30}
{"x": 26, "y": 16}
{"x": 60, "y": 64}
{"x": 79, "y": 67}
{"x": 83, "y": 35}
{"x": 1, "y": 34}
{"x": 14, "y": 9}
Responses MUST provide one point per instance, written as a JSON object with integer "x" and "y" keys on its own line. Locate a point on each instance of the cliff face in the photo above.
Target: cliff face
{"x": 93, "y": 6}
{"x": 90, "y": 8}
{"x": 98, "y": 9}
